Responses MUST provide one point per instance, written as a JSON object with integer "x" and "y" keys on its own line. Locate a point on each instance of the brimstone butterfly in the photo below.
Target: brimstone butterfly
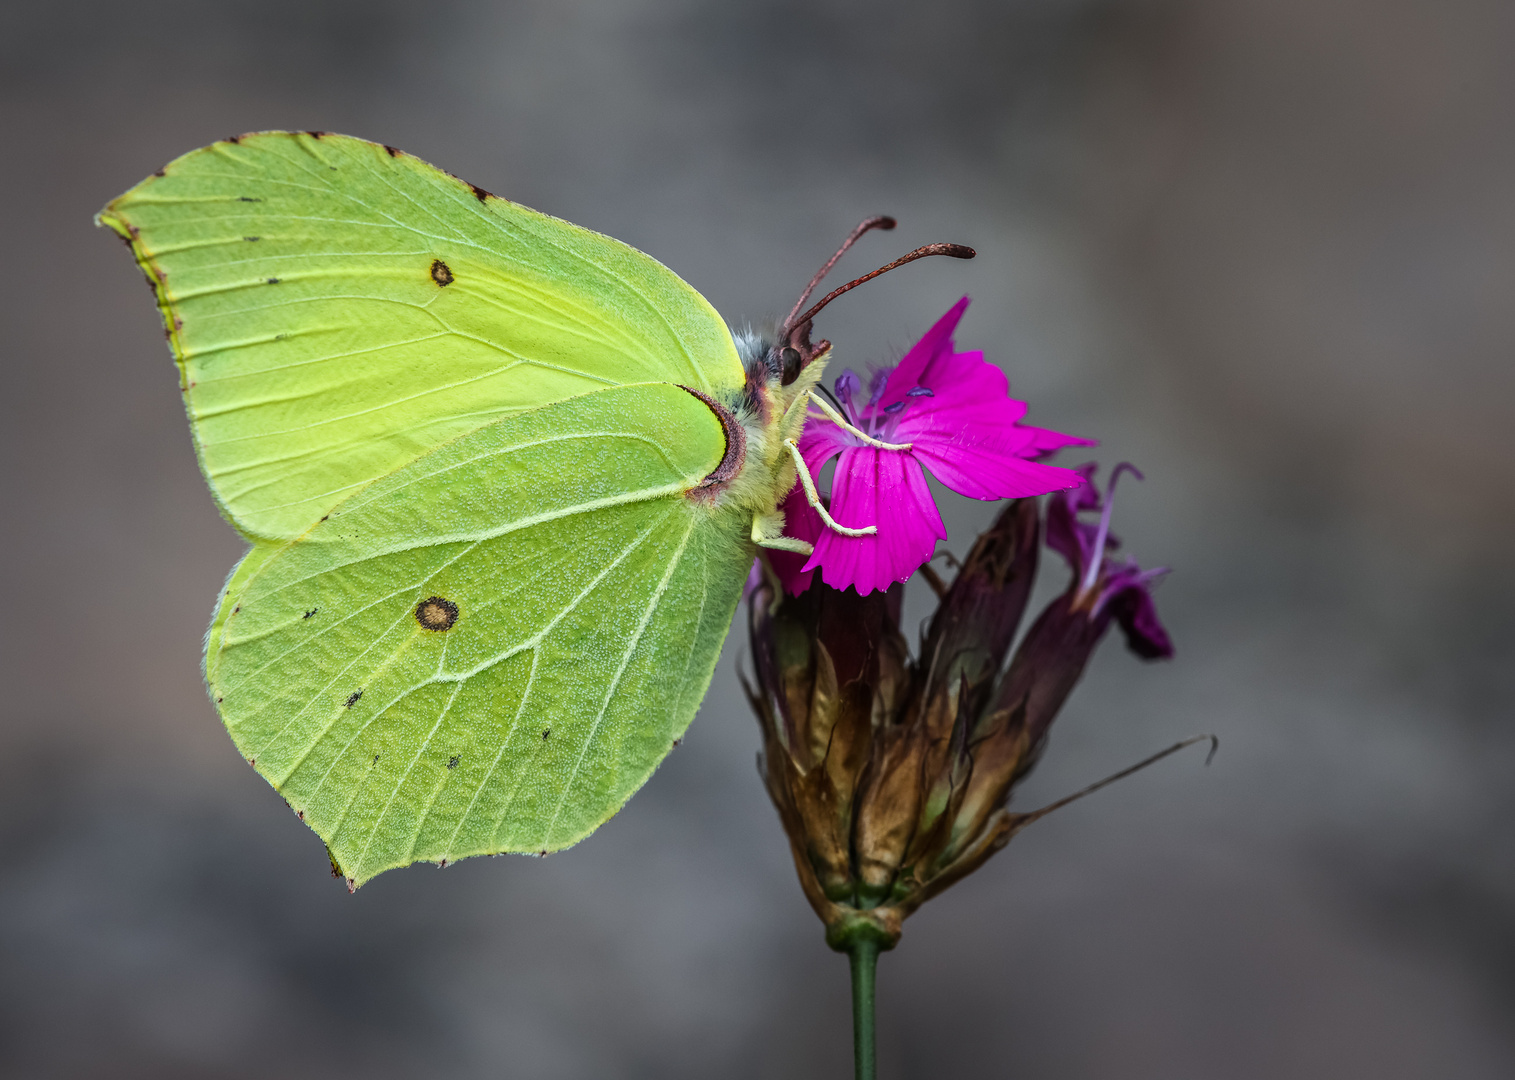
{"x": 503, "y": 479}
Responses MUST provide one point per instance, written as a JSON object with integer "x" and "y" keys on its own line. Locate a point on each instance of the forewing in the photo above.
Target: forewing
{"x": 338, "y": 308}
{"x": 578, "y": 601}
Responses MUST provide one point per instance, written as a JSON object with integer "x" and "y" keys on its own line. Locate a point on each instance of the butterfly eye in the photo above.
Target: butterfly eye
{"x": 789, "y": 364}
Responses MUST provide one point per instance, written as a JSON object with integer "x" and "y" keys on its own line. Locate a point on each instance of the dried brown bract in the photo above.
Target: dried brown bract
{"x": 891, "y": 773}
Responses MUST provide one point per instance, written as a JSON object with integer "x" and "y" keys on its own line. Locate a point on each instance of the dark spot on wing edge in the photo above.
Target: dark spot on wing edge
{"x": 478, "y": 192}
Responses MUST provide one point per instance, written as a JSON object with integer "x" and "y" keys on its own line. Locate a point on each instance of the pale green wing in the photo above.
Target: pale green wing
{"x": 338, "y": 308}
{"x": 578, "y": 601}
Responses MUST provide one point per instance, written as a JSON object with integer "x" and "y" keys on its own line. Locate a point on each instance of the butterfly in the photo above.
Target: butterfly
{"x": 503, "y": 479}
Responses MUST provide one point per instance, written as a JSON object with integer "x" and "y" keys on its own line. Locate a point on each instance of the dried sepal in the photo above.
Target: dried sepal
{"x": 892, "y": 776}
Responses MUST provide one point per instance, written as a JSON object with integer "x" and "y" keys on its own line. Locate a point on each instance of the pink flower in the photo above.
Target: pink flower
{"x": 954, "y": 411}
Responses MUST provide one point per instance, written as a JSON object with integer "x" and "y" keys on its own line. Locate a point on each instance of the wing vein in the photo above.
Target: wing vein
{"x": 636, "y": 639}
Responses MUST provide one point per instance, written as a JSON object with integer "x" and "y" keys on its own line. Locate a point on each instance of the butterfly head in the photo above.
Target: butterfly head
{"x": 775, "y": 362}
{"x": 782, "y": 367}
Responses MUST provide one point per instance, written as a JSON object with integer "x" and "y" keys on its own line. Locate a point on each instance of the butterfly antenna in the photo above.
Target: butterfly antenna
{"x": 881, "y": 221}
{"x": 954, "y": 251}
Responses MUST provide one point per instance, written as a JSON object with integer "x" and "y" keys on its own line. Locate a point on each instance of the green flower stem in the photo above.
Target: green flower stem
{"x": 863, "y": 953}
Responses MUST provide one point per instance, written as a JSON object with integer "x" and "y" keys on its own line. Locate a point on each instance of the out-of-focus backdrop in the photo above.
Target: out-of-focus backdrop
{"x": 1263, "y": 248}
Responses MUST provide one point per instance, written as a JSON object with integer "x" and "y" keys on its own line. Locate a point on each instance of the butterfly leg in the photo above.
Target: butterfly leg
{"x": 814, "y": 498}
{"x": 841, "y": 421}
{"x": 767, "y": 532}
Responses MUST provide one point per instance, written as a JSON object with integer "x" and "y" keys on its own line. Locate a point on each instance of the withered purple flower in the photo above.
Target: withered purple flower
{"x": 1104, "y": 585}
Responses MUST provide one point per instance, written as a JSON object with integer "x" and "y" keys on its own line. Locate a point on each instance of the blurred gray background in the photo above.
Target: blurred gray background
{"x": 1263, "y": 248}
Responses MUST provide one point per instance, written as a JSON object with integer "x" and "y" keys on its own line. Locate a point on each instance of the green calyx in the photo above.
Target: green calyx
{"x": 851, "y": 927}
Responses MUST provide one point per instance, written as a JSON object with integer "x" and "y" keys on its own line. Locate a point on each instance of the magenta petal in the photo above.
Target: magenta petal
{"x": 912, "y": 367}
{"x": 965, "y": 378}
{"x": 1044, "y": 441}
{"x": 970, "y": 403}
{"x": 887, "y": 489}
{"x": 969, "y": 394}
{"x": 970, "y": 388}
{"x": 986, "y": 471}
{"x": 967, "y": 434}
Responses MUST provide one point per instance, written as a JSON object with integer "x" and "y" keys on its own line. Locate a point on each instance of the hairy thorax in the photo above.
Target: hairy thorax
{"x": 756, "y": 472}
